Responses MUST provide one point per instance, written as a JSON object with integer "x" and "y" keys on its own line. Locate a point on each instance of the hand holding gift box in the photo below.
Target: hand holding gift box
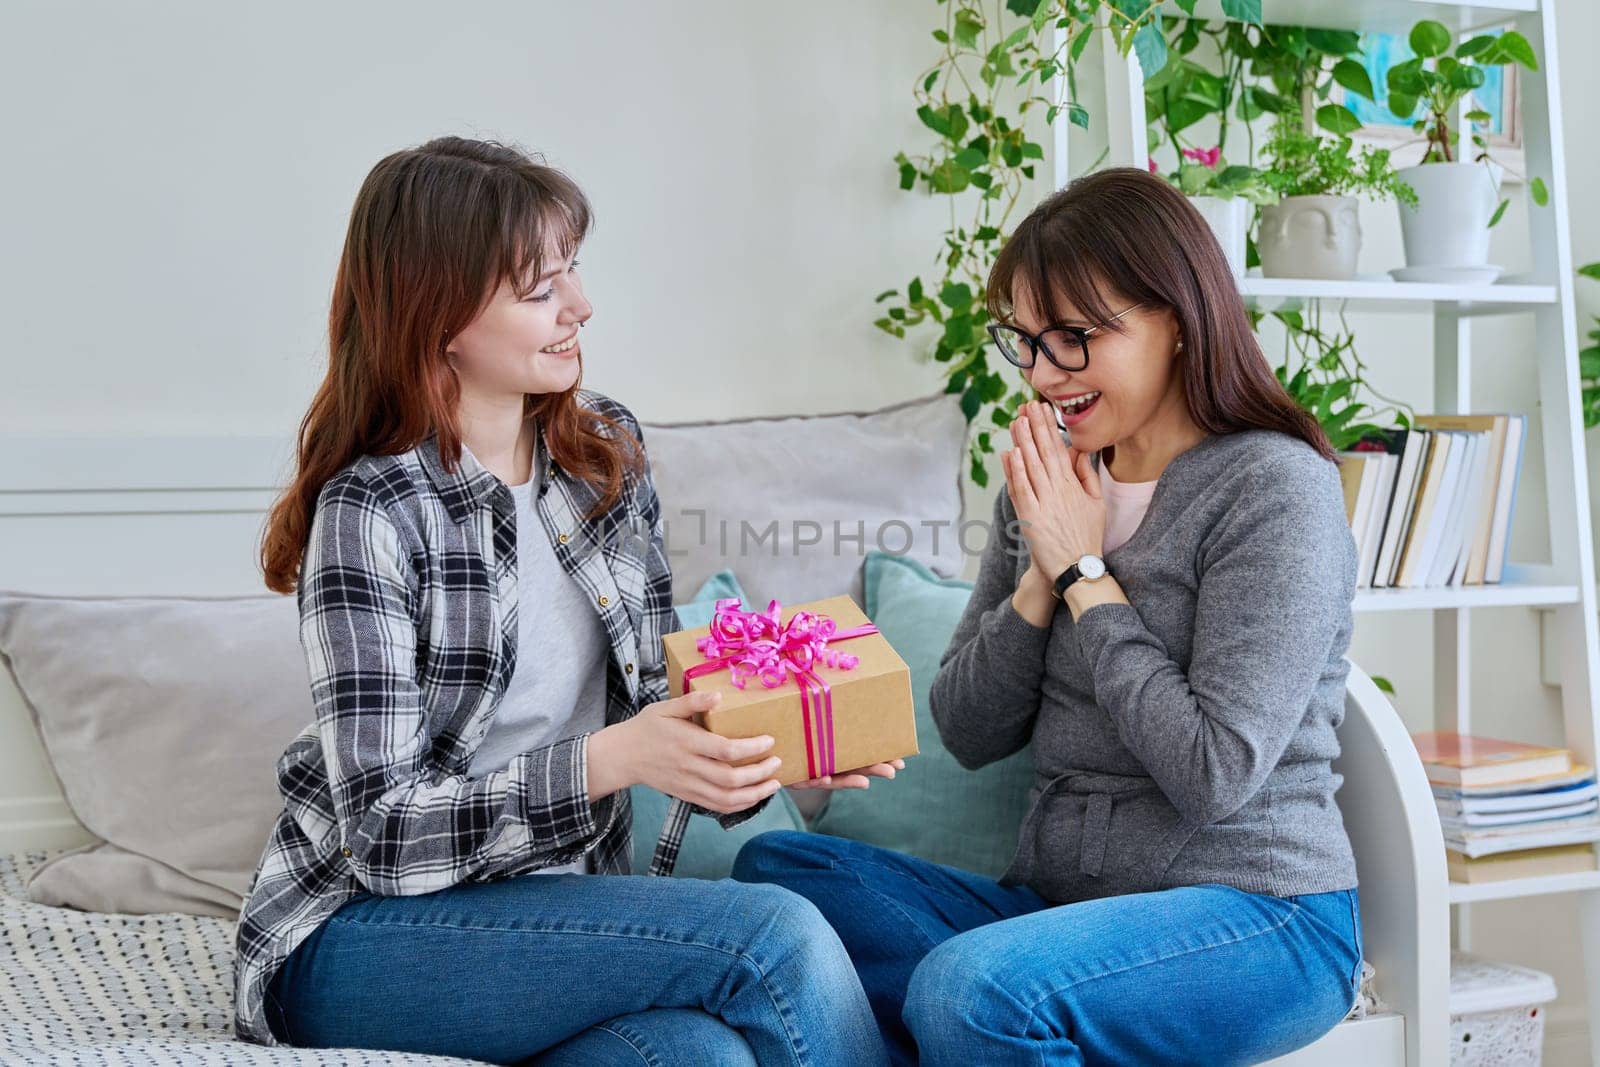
{"x": 818, "y": 678}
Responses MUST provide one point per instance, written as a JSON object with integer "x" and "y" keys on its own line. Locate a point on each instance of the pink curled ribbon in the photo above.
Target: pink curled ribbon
{"x": 754, "y": 644}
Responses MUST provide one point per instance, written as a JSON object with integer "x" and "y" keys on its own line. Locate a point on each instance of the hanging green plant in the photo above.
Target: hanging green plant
{"x": 1323, "y": 372}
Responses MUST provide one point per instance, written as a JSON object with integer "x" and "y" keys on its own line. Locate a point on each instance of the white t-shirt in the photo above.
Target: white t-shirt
{"x": 558, "y": 687}
{"x": 1126, "y": 503}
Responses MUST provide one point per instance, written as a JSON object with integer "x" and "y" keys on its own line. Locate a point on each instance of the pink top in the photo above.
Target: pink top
{"x": 1126, "y": 503}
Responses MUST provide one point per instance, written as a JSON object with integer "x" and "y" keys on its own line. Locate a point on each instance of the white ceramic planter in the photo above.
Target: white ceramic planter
{"x": 1229, "y": 220}
{"x": 1310, "y": 237}
{"x": 1449, "y": 227}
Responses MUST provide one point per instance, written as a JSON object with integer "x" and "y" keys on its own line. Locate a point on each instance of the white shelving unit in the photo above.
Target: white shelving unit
{"x": 1273, "y": 294}
{"x": 1524, "y": 887}
{"x": 1525, "y": 585}
{"x": 1564, "y": 588}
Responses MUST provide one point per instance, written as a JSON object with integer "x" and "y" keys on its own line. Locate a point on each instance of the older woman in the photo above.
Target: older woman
{"x": 1161, "y": 618}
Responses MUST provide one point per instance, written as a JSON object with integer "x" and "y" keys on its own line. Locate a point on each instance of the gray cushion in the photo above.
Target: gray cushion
{"x": 885, "y": 473}
{"x": 163, "y": 718}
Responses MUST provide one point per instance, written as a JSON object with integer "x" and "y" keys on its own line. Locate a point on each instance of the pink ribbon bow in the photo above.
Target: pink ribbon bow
{"x": 755, "y": 644}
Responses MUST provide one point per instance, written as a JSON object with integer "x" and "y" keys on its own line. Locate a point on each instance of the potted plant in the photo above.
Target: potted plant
{"x": 1314, "y": 231}
{"x": 1446, "y": 231}
{"x": 1223, "y": 195}
{"x": 1288, "y": 73}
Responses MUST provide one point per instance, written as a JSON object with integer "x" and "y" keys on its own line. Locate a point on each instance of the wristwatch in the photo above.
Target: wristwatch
{"x": 1089, "y": 567}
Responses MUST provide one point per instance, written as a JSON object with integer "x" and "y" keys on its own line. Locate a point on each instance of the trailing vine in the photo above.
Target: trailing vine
{"x": 1323, "y": 372}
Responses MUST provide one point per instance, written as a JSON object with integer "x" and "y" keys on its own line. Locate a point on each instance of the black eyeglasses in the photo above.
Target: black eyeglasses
{"x": 1065, "y": 346}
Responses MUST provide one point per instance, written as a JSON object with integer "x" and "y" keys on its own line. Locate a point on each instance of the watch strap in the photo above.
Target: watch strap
{"x": 1065, "y": 579}
{"x": 1072, "y": 574}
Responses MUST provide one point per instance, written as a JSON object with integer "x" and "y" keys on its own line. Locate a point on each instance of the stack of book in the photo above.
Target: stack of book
{"x": 1510, "y": 810}
{"x": 1432, "y": 505}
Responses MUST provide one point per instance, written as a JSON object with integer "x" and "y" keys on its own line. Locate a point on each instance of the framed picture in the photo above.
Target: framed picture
{"x": 1381, "y": 128}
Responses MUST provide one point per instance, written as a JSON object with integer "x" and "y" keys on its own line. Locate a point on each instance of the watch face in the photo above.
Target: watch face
{"x": 1092, "y": 567}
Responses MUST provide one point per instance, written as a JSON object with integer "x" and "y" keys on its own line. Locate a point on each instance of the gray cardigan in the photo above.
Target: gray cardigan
{"x": 1185, "y": 739}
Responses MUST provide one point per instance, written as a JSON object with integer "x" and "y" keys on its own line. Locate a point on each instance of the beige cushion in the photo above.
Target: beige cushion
{"x": 163, "y": 719}
{"x": 883, "y": 472}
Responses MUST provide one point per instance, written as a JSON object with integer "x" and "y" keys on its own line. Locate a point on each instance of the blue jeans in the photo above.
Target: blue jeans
{"x": 969, "y": 971}
{"x": 559, "y": 970}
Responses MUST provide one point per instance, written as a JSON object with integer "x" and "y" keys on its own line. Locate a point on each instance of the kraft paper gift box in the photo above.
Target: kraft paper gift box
{"x": 871, "y": 719}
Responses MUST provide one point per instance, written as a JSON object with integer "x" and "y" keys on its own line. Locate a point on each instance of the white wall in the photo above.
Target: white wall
{"x": 180, "y": 175}
{"x": 178, "y": 178}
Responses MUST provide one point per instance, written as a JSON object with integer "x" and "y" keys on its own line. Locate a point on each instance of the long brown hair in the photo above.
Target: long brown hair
{"x": 1125, "y": 232}
{"x": 434, "y": 231}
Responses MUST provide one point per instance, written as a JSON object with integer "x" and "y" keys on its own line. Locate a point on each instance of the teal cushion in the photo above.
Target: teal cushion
{"x": 698, "y": 612}
{"x": 935, "y": 808}
{"x": 708, "y": 850}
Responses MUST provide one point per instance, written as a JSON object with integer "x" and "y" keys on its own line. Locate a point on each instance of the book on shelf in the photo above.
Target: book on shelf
{"x": 1524, "y": 863}
{"x": 1412, "y": 449}
{"x": 1477, "y": 841}
{"x": 1470, "y": 820}
{"x": 1444, "y": 461}
{"x": 1466, "y": 759}
{"x": 1457, "y": 537}
{"x": 1496, "y": 796}
{"x": 1364, "y": 479}
{"x": 1580, "y": 774}
{"x": 1431, "y": 505}
{"x": 1531, "y": 800}
{"x": 1369, "y": 478}
{"x": 1506, "y": 498}
{"x": 1500, "y": 437}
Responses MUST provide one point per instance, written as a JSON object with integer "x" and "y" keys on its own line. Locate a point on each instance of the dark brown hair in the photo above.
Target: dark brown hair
{"x": 433, "y": 232}
{"x": 1126, "y": 233}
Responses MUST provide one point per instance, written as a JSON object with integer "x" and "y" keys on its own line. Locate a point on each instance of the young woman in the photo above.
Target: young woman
{"x": 1161, "y": 618}
{"x": 477, "y": 549}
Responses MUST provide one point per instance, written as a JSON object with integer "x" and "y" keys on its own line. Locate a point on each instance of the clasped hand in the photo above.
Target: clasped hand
{"x": 1055, "y": 490}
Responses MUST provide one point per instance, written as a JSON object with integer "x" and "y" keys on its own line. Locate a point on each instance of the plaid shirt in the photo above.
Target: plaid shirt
{"x": 408, "y": 608}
